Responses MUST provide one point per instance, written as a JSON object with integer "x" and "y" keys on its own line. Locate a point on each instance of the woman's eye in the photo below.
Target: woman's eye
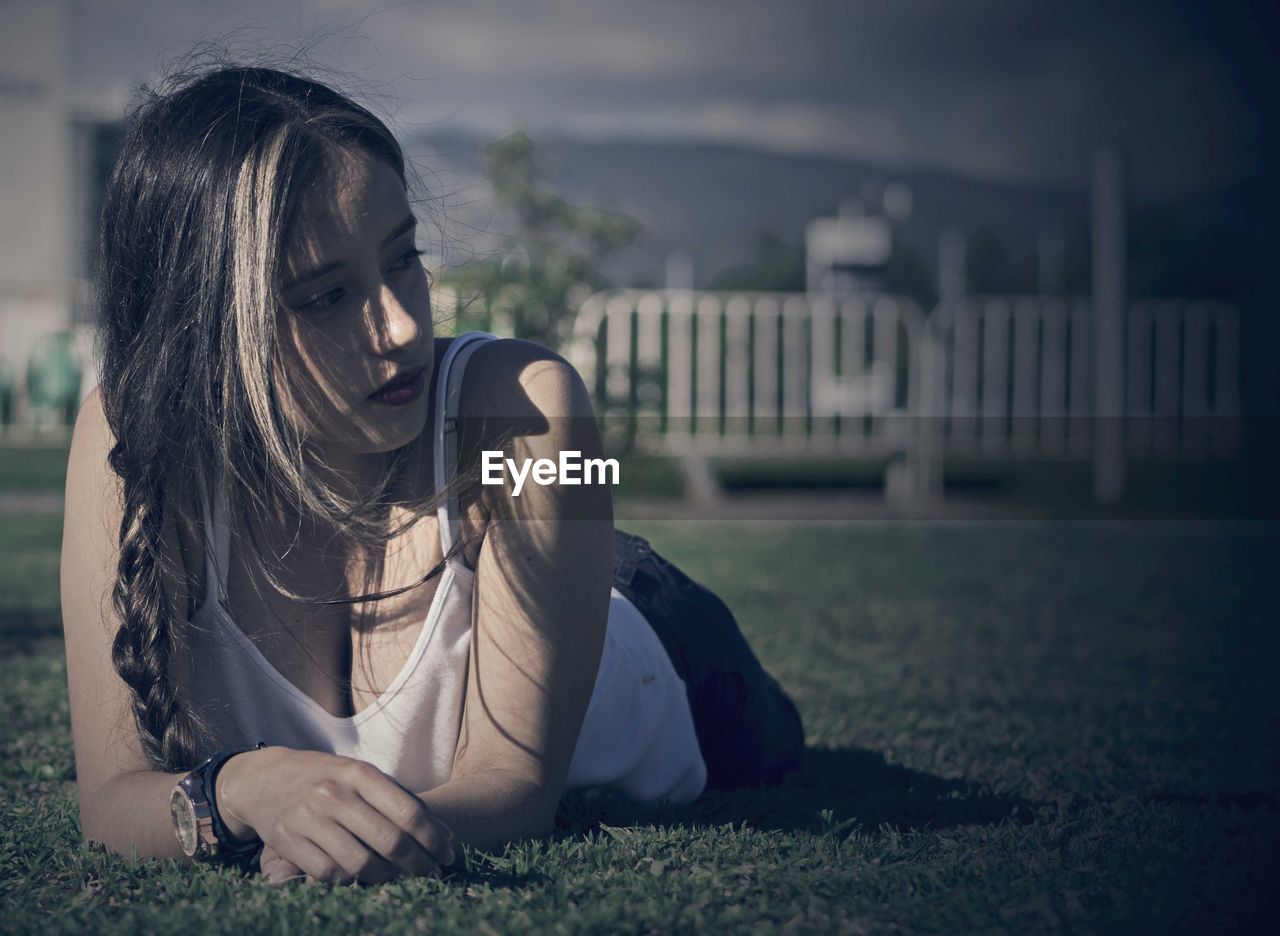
{"x": 325, "y": 299}
{"x": 407, "y": 259}
{"x": 332, "y": 296}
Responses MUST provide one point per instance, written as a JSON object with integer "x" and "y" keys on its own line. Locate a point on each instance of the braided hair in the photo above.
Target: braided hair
{"x": 194, "y": 224}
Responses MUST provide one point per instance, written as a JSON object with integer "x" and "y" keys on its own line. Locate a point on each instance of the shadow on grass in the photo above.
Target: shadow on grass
{"x": 855, "y": 786}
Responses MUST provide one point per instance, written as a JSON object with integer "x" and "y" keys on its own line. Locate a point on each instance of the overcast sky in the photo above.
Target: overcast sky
{"x": 1008, "y": 90}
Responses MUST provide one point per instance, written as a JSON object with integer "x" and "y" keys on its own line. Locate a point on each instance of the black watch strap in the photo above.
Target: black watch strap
{"x": 228, "y": 851}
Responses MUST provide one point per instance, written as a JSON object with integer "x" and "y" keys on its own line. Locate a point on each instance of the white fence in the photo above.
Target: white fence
{"x": 1018, "y": 379}
{"x": 703, "y": 374}
{"x": 748, "y": 373}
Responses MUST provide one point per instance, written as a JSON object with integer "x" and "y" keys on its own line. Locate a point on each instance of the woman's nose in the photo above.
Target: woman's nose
{"x": 393, "y": 324}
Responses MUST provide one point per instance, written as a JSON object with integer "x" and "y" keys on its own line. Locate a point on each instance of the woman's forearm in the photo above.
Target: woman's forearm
{"x": 130, "y": 815}
{"x": 489, "y": 809}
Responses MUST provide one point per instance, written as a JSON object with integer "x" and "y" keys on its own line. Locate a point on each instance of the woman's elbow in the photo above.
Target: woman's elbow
{"x": 532, "y": 807}
{"x": 535, "y": 806}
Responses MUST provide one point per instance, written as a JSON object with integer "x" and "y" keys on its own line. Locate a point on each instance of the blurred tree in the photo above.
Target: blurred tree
{"x": 551, "y": 261}
{"x": 777, "y": 267}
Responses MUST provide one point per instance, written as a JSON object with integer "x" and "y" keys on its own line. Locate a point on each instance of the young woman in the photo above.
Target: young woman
{"x": 300, "y": 632}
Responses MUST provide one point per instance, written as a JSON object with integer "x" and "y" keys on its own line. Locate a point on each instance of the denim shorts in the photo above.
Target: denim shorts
{"x": 749, "y": 730}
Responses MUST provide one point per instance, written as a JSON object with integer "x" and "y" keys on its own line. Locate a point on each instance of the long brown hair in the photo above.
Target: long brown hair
{"x": 198, "y": 209}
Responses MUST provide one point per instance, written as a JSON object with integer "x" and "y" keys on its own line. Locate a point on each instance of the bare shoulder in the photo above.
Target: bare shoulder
{"x": 91, "y": 437}
{"x": 515, "y": 378}
{"x": 515, "y": 397}
{"x": 93, "y": 496}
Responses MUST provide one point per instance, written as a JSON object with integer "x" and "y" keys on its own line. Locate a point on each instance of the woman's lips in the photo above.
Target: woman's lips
{"x": 405, "y": 391}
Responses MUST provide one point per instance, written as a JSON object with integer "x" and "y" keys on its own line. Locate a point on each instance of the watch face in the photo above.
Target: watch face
{"x": 184, "y": 821}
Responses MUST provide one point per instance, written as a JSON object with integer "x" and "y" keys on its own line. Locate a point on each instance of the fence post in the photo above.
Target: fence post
{"x": 927, "y": 475}
{"x": 1108, "y": 326}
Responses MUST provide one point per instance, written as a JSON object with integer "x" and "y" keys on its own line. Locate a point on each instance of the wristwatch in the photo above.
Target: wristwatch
{"x": 199, "y": 827}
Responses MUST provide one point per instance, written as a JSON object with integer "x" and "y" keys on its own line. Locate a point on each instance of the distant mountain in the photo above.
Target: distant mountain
{"x": 714, "y": 201}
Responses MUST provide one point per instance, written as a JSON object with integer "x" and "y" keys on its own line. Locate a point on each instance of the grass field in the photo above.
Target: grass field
{"x": 1010, "y": 728}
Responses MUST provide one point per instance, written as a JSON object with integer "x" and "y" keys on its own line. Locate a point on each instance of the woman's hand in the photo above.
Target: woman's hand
{"x": 277, "y": 870}
{"x": 334, "y": 818}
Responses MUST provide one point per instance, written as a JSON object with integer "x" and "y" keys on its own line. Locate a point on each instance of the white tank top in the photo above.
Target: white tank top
{"x": 637, "y": 736}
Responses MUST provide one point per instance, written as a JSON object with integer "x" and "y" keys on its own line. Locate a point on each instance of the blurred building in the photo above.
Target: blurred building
{"x": 60, "y": 139}
{"x": 848, "y": 253}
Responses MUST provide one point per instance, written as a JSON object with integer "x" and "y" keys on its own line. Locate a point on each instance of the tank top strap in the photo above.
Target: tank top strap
{"x": 448, "y": 394}
{"x": 217, "y": 546}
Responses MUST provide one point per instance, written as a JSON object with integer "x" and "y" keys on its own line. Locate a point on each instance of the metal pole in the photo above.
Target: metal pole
{"x": 1108, "y": 326}
{"x": 928, "y": 474}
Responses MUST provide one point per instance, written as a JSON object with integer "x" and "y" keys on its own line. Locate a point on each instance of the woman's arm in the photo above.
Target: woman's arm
{"x": 122, "y": 803}
{"x": 319, "y": 809}
{"x": 540, "y": 607}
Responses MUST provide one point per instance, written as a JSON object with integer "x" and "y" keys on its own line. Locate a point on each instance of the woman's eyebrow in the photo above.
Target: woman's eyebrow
{"x": 406, "y": 225}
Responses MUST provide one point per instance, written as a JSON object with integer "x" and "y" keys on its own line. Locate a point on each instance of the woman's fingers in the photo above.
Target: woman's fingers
{"x": 275, "y": 868}
{"x": 398, "y": 845}
{"x": 313, "y": 861}
{"x": 356, "y": 823}
{"x": 316, "y": 839}
{"x": 406, "y": 812}
{"x": 357, "y": 860}
{"x": 282, "y": 871}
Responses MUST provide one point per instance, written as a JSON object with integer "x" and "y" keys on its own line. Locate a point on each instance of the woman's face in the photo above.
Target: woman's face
{"x": 355, "y": 315}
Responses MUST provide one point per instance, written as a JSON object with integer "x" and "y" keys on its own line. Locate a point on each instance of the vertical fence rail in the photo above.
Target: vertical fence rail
{"x": 767, "y": 319}
{"x": 853, "y": 364}
{"x": 822, "y": 354}
{"x": 795, "y": 377}
{"x": 708, "y": 366}
{"x": 680, "y": 371}
{"x": 737, "y": 366}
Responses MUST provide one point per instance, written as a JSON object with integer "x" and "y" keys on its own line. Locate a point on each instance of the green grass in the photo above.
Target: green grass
{"x": 1010, "y": 728}
{"x": 33, "y": 468}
